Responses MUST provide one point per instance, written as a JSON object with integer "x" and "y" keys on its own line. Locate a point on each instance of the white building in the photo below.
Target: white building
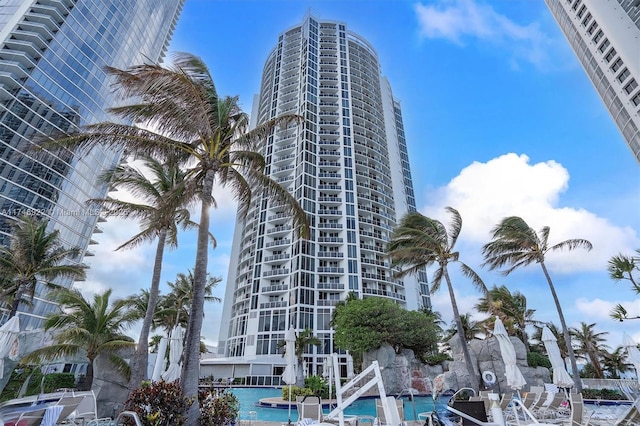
{"x": 348, "y": 167}
{"x": 605, "y": 35}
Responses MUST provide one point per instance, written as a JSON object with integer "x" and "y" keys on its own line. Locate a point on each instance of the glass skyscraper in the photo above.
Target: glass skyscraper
{"x": 605, "y": 36}
{"x": 52, "y": 55}
{"x": 348, "y": 167}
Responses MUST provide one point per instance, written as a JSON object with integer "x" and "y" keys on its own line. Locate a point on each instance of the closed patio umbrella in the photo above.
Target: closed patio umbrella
{"x": 9, "y": 341}
{"x": 350, "y": 371}
{"x": 633, "y": 352}
{"x": 158, "y": 367}
{"x": 515, "y": 380}
{"x": 289, "y": 373}
{"x": 561, "y": 377}
{"x": 175, "y": 354}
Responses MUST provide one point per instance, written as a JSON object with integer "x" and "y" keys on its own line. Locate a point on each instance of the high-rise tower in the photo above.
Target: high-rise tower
{"x": 52, "y": 55}
{"x": 605, "y": 35}
{"x": 348, "y": 167}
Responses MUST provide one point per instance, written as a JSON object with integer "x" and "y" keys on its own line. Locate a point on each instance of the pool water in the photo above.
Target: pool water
{"x": 249, "y": 398}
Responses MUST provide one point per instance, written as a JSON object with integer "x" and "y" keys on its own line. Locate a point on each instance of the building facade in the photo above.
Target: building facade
{"x": 52, "y": 55}
{"x": 348, "y": 167}
{"x": 605, "y": 35}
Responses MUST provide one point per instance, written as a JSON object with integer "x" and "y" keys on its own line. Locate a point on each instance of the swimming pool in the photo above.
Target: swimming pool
{"x": 249, "y": 398}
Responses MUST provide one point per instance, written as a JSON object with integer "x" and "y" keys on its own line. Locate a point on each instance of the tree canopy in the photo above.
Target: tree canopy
{"x": 367, "y": 324}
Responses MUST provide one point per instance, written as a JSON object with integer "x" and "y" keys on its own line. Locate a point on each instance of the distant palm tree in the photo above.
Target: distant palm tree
{"x": 95, "y": 327}
{"x": 623, "y": 267}
{"x": 511, "y": 308}
{"x": 516, "y": 244}
{"x": 175, "y": 308}
{"x": 590, "y": 345}
{"x": 471, "y": 328}
{"x": 161, "y": 208}
{"x": 615, "y": 362}
{"x": 34, "y": 255}
{"x": 418, "y": 242}
{"x": 212, "y": 132}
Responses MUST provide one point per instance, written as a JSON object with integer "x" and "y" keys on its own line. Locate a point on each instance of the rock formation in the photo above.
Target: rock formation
{"x": 403, "y": 372}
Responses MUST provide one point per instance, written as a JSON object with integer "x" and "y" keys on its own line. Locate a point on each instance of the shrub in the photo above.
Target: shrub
{"x": 158, "y": 404}
{"x": 606, "y": 394}
{"x": 436, "y": 359}
{"x": 55, "y": 381}
{"x": 535, "y": 359}
{"x": 318, "y": 385}
{"x": 295, "y": 391}
{"x": 218, "y": 408}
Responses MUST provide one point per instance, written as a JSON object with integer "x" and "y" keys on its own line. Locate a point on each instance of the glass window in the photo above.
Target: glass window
{"x": 629, "y": 88}
{"x": 617, "y": 65}
{"x": 623, "y": 75}
{"x": 604, "y": 45}
{"x": 610, "y": 55}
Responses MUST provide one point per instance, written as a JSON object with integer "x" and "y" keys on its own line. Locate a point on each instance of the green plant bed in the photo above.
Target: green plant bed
{"x": 604, "y": 394}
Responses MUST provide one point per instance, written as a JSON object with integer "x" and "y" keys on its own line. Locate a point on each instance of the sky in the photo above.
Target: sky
{"x": 500, "y": 120}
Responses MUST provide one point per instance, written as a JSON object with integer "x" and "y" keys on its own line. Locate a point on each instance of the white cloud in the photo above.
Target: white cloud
{"x": 509, "y": 185}
{"x": 598, "y": 309}
{"x": 461, "y": 20}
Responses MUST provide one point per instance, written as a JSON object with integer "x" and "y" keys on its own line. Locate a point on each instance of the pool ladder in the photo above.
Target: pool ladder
{"x": 413, "y": 402}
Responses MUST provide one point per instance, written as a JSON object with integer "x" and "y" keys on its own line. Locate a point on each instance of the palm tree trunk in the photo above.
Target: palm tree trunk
{"x": 191, "y": 360}
{"x": 88, "y": 378}
{"x": 565, "y": 331}
{"x": 475, "y": 384}
{"x": 141, "y": 356}
{"x": 16, "y": 301}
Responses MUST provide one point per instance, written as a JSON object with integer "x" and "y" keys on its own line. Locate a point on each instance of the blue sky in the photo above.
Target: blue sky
{"x": 500, "y": 120}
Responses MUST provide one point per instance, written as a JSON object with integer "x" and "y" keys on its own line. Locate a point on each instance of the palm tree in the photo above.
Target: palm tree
{"x": 175, "y": 307}
{"x": 418, "y": 242}
{"x": 304, "y": 339}
{"x": 34, "y": 255}
{"x": 161, "y": 207}
{"x": 590, "y": 345}
{"x": 511, "y": 308}
{"x": 623, "y": 267}
{"x": 181, "y": 104}
{"x": 615, "y": 362}
{"x": 471, "y": 328}
{"x": 516, "y": 244}
{"x": 95, "y": 327}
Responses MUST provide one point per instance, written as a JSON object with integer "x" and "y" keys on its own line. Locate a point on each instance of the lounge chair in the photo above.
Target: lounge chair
{"x": 30, "y": 418}
{"x": 506, "y": 400}
{"x": 631, "y": 416}
{"x": 309, "y": 408}
{"x": 397, "y": 412}
{"x": 552, "y": 410}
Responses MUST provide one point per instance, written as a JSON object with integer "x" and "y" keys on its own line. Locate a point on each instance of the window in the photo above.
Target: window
{"x": 592, "y": 27}
{"x": 623, "y": 75}
{"x": 598, "y": 37}
{"x": 636, "y": 99}
{"x": 629, "y": 88}
{"x": 586, "y": 20}
{"x": 604, "y": 45}
{"x": 617, "y": 64}
{"x": 581, "y": 11}
{"x": 610, "y": 55}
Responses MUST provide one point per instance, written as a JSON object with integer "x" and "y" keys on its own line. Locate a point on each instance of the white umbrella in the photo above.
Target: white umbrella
{"x": 9, "y": 341}
{"x": 634, "y": 353}
{"x": 561, "y": 377}
{"x": 515, "y": 380}
{"x": 350, "y": 372}
{"x": 175, "y": 353}
{"x": 158, "y": 367}
{"x": 289, "y": 373}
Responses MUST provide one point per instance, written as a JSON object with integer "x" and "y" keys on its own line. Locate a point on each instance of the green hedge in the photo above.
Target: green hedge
{"x": 606, "y": 394}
